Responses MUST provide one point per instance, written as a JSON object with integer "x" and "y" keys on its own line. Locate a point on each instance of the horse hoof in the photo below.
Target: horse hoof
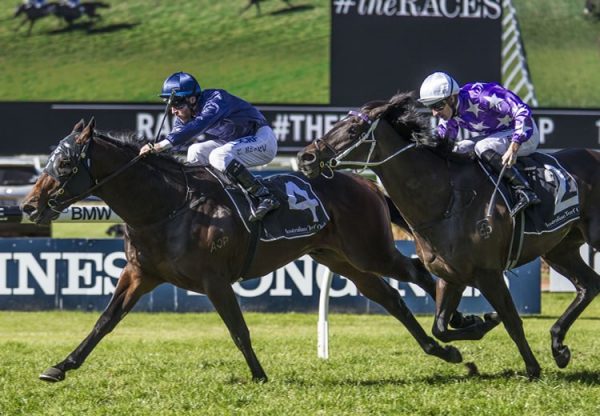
{"x": 472, "y": 369}
{"x": 492, "y": 317}
{"x": 562, "y": 356}
{"x": 534, "y": 373}
{"x": 453, "y": 355}
{"x": 260, "y": 379}
{"x": 52, "y": 375}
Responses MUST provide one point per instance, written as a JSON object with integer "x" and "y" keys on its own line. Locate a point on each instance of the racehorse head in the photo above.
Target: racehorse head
{"x": 65, "y": 179}
{"x": 354, "y": 137}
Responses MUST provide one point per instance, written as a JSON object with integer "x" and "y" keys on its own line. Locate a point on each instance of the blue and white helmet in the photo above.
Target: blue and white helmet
{"x": 183, "y": 83}
{"x": 437, "y": 87}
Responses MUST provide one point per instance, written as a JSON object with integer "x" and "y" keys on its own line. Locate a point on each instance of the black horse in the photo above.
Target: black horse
{"x": 70, "y": 14}
{"x": 442, "y": 199}
{"x": 182, "y": 228}
{"x": 31, "y": 14}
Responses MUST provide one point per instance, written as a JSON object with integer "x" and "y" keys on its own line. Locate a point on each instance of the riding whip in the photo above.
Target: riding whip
{"x": 484, "y": 226}
{"x": 169, "y": 102}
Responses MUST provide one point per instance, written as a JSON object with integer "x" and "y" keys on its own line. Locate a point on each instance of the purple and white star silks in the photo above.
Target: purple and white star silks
{"x": 487, "y": 108}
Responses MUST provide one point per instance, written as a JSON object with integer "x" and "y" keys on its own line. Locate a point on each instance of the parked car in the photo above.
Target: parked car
{"x": 17, "y": 176}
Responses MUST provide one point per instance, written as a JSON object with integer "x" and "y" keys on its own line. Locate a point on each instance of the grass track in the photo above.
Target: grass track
{"x": 186, "y": 364}
{"x": 277, "y": 57}
{"x": 563, "y": 51}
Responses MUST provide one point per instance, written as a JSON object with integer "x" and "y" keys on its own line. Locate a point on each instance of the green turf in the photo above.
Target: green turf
{"x": 176, "y": 364}
{"x": 277, "y": 57}
{"x": 563, "y": 51}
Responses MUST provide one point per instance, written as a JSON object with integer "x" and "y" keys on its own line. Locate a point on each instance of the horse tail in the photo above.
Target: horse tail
{"x": 396, "y": 217}
{"x": 100, "y": 4}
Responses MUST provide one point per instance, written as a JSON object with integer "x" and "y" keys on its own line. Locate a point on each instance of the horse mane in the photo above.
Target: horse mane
{"x": 132, "y": 143}
{"x": 402, "y": 113}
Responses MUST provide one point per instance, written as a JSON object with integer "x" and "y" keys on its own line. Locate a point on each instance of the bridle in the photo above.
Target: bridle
{"x": 367, "y": 137}
{"x": 79, "y": 176}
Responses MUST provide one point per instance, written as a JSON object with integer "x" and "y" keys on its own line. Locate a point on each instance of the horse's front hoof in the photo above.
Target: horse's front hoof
{"x": 453, "y": 355}
{"x": 533, "y": 373}
{"x": 52, "y": 375}
{"x": 260, "y": 379}
{"x": 562, "y": 356}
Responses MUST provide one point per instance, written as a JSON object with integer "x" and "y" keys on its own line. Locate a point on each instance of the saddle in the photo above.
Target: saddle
{"x": 301, "y": 213}
{"x": 552, "y": 183}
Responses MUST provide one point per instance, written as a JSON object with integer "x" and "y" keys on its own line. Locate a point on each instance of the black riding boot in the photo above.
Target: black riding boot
{"x": 519, "y": 184}
{"x": 266, "y": 200}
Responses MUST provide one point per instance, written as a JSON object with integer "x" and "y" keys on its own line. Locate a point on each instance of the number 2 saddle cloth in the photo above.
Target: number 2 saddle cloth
{"x": 553, "y": 184}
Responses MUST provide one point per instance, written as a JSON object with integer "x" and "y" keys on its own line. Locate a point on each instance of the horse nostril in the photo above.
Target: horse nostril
{"x": 308, "y": 157}
{"x": 28, "y": 209}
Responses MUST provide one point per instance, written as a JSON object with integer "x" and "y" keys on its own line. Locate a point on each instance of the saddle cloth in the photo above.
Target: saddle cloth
{"x": 552, "y": 183}
{"x": 301, "y": 213}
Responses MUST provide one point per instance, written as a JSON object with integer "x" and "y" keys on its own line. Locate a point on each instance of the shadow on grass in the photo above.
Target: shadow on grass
{"x": 293, "y": 9}
{"x": 90, "y": 29}
{"x": 555, "y": 317}
{"x": 589, "y": 378}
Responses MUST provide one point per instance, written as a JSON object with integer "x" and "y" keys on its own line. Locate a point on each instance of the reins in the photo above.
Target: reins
{"x": 369, "y": 138}
{"x": 97, "y": 185}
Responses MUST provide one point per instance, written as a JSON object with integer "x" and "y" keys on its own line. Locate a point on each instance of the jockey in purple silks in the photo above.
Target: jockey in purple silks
{"x": 231, "y": 134}
{"x": 502, "y": 120}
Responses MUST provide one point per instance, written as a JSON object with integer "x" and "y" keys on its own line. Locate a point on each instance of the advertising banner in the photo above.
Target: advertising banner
{"x": 45, "y": 274}
{"x": 294, "y": 126}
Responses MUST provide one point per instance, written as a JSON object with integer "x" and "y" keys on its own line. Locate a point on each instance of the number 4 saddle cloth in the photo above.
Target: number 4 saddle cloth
{"x": 553, "y": 184}
{"x": 301, "y": 213}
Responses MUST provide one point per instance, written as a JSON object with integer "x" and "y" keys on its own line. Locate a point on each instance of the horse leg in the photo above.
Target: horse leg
{"x": 422, "y": 278}
{"x": 495, "y": 291}
{"x": 448, "y": 297}
{"x": 378, "y": 290}
{"x": 131, "y": 286}
{"x": 223, "y": 299}
{"x": 30, "y": 27}
{"x": 21, "y": 24}
{"x": 565, "y": 259}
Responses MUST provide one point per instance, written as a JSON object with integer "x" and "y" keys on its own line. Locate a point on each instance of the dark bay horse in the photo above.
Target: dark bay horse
{"x": 442, "y": 199}
{"x": 70, "y": 14}
{"x": 31, "y": 13}
{"x": 183, "y": 229}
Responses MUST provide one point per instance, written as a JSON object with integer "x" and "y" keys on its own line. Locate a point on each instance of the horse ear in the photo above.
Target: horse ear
{"x": 92, "y": 124}
{"x": 79, "y": 126}
{"x": 87, "y": 131}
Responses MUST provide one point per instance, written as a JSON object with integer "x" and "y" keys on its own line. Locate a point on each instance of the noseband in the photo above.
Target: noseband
{"x": 368, "y": 137}
{"x": 79, "y": 156}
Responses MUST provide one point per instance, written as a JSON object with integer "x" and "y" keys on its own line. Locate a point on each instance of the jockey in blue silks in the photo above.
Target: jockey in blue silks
{"x": 503, "y": 121}
{"x": 233, "y": 135}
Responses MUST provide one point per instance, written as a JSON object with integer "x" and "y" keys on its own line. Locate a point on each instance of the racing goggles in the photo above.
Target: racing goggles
{"x": 177, "y": 102}
{"x": 439, "y": 106}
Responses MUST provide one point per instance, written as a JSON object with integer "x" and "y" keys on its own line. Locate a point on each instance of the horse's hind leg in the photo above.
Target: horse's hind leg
{"x": 223, "y": 299}
{"x": 376, "y": 289}
{"x": 565, "y": 259}
{"x": 131, "y": 286}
